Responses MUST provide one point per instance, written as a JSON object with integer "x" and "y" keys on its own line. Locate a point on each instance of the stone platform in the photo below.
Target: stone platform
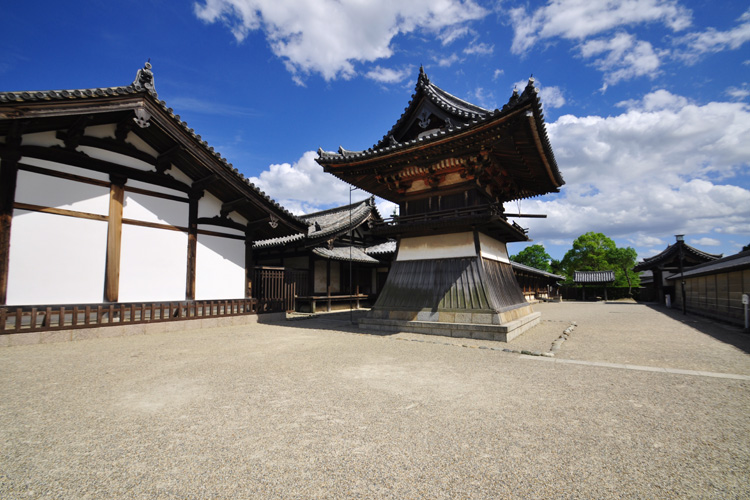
{"x": 503, "y": 332}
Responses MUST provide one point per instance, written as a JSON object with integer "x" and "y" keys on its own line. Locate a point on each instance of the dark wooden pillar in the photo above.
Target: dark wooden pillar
{"x": 328, "y": 284}
{"x": 114, "y": 238}
{"x": 192, "y": 244}
{"x": 8, "y": 179}
{"x": 249, "y": 265}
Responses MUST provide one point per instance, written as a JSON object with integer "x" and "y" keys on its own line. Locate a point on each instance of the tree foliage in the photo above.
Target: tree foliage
{"x": 534, "y": 256}
{"x": 596, "y": 252}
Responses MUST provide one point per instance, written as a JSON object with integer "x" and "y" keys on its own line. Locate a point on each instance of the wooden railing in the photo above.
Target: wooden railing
{"x": 19, "y": 319}
{"x": 276, "y": 288}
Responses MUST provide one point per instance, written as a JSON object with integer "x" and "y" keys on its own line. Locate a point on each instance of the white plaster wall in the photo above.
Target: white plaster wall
{"x": 102, "y": 131}
{"x": 128, "y": 161}
{"x": 56, "y": 259}
{"x": 154, "y": 187}
{"x": 42, "y": 139}
{"x": 38, "y": 189}
{"x": 153, "y": 264}
{"x": 147, "y": 208}
{"x": 493, "y": 249}
{"x": 220, "y": 268}
{"x": 209, "y": 205}
{"x": 441, "y": 246}
{"x": 60, "y": 167}
{"x": 179, "y": 175}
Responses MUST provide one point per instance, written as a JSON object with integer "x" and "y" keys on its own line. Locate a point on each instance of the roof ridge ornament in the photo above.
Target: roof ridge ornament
{"x": 423, "y": 76}
{"x": 144, "y": 79}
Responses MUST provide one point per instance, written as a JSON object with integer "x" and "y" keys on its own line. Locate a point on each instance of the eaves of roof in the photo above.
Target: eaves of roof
{"x": 672, "y": 252}
{"x": 347, "y": 254}
{"x": 533, "y": 270}
{"x": 142, "y": 86}
{"x": 727, "y": 264}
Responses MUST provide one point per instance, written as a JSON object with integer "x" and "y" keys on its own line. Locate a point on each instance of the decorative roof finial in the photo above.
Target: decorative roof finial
{"x": 423, "y": 75}
{"x": 144, "y": 79}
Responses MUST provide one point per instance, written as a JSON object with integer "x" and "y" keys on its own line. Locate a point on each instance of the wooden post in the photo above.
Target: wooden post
{"x": 8, "y": 178}
{"x": 328, "y": 283}
{"x": 192, "y": 244}
{"x": 114, "y": 238}
{"x": 248, "y": 263}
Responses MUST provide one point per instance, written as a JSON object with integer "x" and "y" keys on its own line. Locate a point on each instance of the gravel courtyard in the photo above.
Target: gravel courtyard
{"x": 638, "y": 402}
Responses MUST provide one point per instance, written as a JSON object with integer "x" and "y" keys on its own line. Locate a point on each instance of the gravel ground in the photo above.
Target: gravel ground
{"x": 317, "y": 409}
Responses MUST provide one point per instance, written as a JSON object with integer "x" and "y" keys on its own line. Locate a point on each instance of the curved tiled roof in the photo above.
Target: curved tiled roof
{"x": 733, "y": 262}
{"x": 672, "y": 252}
{"x": 383, "y": 248}
{"x": 593, "y": 276}
{"x": 471, "y": 116}
{"x": 347, "y": 254}
{"x": 329, "y": 223}
{"x": 142, "y": 85}
{"x": 534, "y": 270}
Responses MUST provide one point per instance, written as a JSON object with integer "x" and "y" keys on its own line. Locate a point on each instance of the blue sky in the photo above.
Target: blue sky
{"x": 646, "y": 101}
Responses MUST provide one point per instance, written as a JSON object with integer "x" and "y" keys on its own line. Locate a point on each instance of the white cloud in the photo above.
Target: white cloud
{"x": 551, "y": 97}
{"x": 453, "y": 33}
{"x": 659, "y": 168}
{"x": 705, "y": 242}
{"x": 388, "y": 75}
{"x": 303, "y": 187}
{"x": 480, "y": 49}
{"x": 445, "y": 62}
{"x": 622, "y": 57}
{"x": 497, "y": 74}
{"x": 484, "y": 98}
{"x": 580, "y": 19}
{"x": 329, "y": 36}
{"x": 712, "y": 40}
{"x": 739, "y": 93}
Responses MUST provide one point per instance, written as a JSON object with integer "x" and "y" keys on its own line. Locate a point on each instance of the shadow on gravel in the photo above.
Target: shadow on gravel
{"x": 723, "y": 332}
{"x": 344, "y": 321}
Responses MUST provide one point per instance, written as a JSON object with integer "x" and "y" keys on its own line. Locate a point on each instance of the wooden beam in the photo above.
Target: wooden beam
{"x": 203, "y": 183}
{"x": 8, "y": 180}
{"x": 230, "y": 206}
{"x": 192, "y": 244}
{"x": 74, "y": 134}
{"x": 249, "y": 265}
{"x": 114, "y": 239}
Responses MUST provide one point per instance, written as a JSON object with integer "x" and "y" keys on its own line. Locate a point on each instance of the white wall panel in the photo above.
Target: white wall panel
{"x": 60, "y": 167}
{"x": 147, "y": 208}
{"x": 220, "y": 268}
{"x": 441, "y": 246}
{"x": 153, "y": 264}
{"x": 56, "y": 259}
{"x": 102, "y": 131}
{"x": 493, "y": 249}
{"x": 44, "y": 190}
{"x": 128, "y": 161}
{"x": 42, "y": 139}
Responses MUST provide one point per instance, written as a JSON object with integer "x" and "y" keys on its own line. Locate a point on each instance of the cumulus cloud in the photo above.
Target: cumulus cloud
{"x": 658, "y": 168}
{"x": 445, "y": 62}
{"x": 480, "y": 49}
{"x": 622, "y": 57}
{"x": 328, "y": 37}
{"x": 303, "y": 187}
{"x": 578, "y": 20}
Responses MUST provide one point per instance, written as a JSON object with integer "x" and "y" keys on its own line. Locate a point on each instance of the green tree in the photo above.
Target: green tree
{"x": 534, "y": 256}
{"x": 596, "y": 252}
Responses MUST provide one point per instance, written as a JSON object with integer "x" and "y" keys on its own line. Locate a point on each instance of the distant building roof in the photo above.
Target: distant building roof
{"x": 593, "y": 277}
{"x": 346, "y": 254}
{"x": 329, "y": 223}
{"x": 671, "y": 256}
{"x": 383, "y": 248}
{"x": 727, "y": 264}
{"x": 533, "y": 270}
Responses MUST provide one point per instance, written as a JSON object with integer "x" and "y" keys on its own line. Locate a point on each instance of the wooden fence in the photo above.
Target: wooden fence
{"x": 18, "y": 319}
{"x": 276, "y": 288}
